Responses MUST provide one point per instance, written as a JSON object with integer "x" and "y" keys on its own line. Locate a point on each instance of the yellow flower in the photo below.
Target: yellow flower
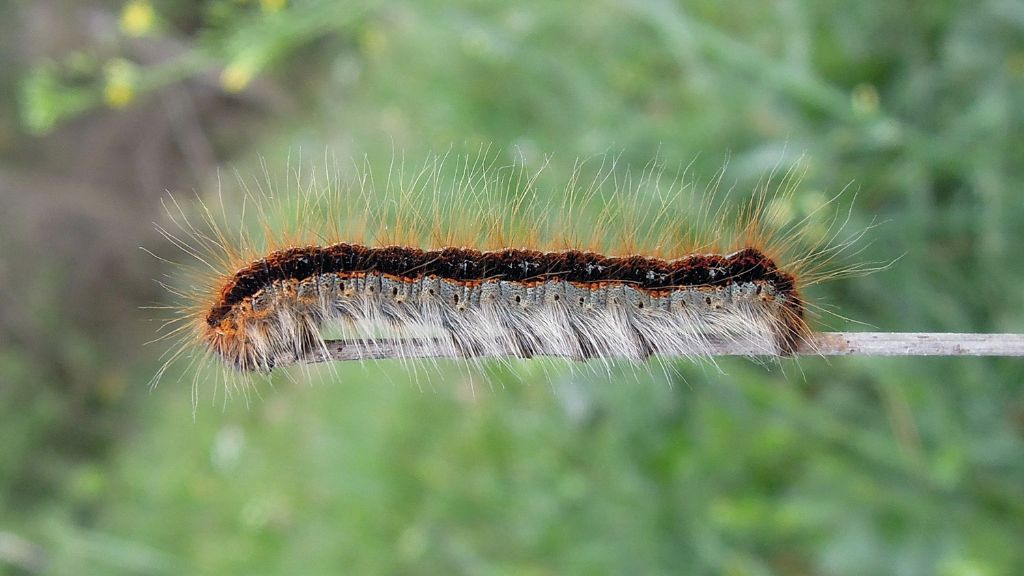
{"x": 273, "y": 5}
{"x": 137, "y": 18}
{"x": 118, "y": 95}
{"x": 120, "y": 82}
{"x": 237, "y": 76}
{"x": 373, "y": 41}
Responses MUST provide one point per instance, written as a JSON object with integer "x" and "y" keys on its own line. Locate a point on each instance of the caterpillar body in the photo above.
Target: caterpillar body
{"x": 478, "y": 261}
{"x": 513, "y": 302}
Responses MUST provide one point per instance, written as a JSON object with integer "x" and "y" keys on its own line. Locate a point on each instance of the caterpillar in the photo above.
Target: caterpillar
{"x": 480, "y": 259}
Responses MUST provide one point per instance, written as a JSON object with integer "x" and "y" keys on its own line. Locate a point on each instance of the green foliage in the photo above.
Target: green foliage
{"x": 46, "y": 100}
{"x": 852, "y": 466}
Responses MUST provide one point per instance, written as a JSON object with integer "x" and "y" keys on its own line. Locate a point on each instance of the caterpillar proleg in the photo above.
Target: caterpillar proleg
{"x": 479, "y": 259}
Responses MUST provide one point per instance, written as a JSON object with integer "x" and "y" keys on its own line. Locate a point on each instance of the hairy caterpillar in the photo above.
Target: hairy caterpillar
{"x": 480, "y": 259}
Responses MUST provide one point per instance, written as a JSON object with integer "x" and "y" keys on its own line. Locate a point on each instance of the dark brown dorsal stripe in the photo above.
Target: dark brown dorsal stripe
{"x": 465, "y": 264}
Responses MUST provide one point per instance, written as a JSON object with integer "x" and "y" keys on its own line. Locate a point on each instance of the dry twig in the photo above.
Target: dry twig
{"x": 819, "y": 344}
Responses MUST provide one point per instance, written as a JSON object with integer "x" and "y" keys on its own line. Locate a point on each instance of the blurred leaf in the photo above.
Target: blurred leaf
{"x": 46, "y": 100}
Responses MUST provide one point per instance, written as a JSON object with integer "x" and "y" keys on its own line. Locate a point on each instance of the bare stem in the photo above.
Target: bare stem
{"x": 818, "y": 344}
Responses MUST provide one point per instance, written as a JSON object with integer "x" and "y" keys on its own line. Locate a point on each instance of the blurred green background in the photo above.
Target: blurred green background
{"x": 851, "y": 466}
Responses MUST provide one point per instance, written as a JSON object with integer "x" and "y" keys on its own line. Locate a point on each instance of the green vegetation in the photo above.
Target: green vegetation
{"x": 851, "y": 466}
